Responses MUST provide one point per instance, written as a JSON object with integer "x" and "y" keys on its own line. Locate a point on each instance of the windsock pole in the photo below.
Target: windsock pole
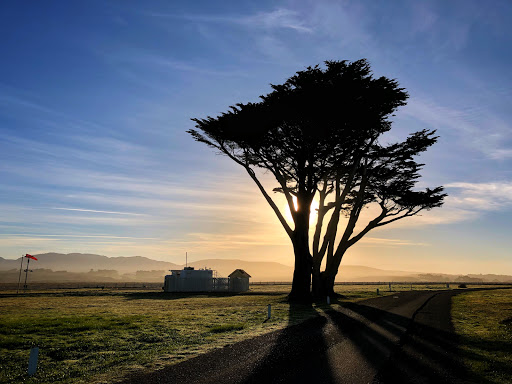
{"x": 19, "y": 277}
{"x": 26, "y": 275}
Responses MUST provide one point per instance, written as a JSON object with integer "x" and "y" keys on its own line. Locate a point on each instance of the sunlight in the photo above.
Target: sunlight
{"x": 312, "y": 216}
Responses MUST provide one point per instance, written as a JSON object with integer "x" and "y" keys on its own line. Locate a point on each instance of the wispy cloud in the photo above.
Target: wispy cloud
{"x": 382, "y": 242}
{"x": 465, "y": 202}
{"x": 237, "y": 240}
{"x": 139, "y": 60}
{"x": 482, "y": 196}
{"x": 279, "y": 18}
{"x": 36, "y": 235}
{"x": 275, "y": 19}
{"x": 27, "y": 106}
{"x": 98, "y": 211}
{"x": 477, "y": 127}
{"x": 262, "y": 36}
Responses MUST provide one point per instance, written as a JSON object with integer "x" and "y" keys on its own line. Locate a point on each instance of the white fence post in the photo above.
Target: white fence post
{"x": 32, "y": 361}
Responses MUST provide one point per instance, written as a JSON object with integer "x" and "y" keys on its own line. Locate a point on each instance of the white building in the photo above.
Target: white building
{"x": 189, "y": 280}
{"x": 202, "y": 280}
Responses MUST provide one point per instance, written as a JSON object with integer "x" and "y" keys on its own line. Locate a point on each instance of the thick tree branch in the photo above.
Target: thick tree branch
{"x": 332, "y": 227}
{"x": 372, "y": 224}
{"x": 271, "y": 202}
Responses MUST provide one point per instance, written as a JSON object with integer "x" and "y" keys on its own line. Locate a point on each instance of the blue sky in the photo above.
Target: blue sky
{"x": 95, "y": 99}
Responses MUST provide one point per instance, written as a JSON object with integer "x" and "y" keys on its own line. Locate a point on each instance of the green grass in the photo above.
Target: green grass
{"x": 227, "y": 327}
{"x": 87, "y": 335}
{"x": 483, "y": 320}
{"x": 93, "y": 335}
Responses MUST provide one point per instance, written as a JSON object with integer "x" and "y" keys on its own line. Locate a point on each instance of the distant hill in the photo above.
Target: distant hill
{"x": 83, "y": 262}
{"x": 90, "y": 267}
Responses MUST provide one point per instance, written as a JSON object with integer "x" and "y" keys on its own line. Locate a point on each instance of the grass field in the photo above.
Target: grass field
{"x": 483, "y": 319}
{"x": 97, "y": 335}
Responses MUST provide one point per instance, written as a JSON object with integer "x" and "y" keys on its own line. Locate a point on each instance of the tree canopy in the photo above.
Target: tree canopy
{"x": 318, "y": 135}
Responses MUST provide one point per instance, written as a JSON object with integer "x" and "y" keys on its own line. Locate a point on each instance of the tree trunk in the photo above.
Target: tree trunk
{"x": 316, "y": 284}
{"x": 327, "y": 285}
{"x": 323, "y": 285}
{"x": 331, "y": 270}
{"x": 301, "y": 285}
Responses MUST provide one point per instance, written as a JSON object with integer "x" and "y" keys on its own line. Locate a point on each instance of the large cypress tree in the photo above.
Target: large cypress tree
{"x": 318, "y": 136}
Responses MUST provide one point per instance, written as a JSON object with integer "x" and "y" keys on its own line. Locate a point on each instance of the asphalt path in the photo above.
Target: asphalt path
{"x": 402, "y": 338}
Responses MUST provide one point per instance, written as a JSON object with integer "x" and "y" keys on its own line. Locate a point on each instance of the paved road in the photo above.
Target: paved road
{"x": 403, "y": 338}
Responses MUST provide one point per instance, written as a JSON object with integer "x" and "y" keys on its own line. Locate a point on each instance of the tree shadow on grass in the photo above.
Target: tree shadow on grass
{"x": 265, "y": 358}
{"x": 294, "y": 350}
{"x": 479, "y": 351}
{"x": 355, "y": 343}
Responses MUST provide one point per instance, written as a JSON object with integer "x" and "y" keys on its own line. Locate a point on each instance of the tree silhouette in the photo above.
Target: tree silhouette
{"x": 318, "y": 135}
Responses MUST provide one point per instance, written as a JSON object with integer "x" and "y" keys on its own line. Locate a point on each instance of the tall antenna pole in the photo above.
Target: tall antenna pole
{"x": 26, "y": 274}
{"x": 19, "y": 277}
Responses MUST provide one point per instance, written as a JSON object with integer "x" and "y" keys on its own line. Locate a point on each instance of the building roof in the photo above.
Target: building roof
{"x": 239, "y": 273}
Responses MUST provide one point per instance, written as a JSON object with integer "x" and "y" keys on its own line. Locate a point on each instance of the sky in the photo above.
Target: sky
{"x": 96, "y": 98}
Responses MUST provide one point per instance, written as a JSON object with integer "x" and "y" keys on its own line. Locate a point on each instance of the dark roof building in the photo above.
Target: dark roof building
{"x": 239, "y": 273}
{"x": 239, "y": 281}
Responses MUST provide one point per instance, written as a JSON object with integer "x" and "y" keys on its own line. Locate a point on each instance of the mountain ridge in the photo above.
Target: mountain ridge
{"x": 141, "y": 268}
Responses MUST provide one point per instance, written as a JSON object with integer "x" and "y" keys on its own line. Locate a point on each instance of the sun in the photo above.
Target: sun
{"x": 312, "y": 216}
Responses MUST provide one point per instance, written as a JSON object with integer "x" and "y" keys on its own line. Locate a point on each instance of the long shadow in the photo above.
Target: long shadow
{"x": 354, "y": 343}
{"x": 390, "y": 349}
{"x": 296, "y": 354}
{"x": 423, "y": 354}
{"x": 265, "y": 358}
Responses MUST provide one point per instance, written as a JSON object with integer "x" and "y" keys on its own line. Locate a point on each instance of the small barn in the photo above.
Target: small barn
{"x": 239, "y": 281}
{"x": 189, "y": 280}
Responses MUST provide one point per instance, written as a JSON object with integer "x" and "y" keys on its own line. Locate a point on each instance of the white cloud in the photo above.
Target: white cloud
{"x": 465, "y": 202}
{"x": 482, "y": 196}
{"x": 279, "y": 18}
{"x": 475, "y": 126}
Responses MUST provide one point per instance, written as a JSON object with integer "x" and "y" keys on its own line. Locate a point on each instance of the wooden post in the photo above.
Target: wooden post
{"x": 269, "y": 308}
